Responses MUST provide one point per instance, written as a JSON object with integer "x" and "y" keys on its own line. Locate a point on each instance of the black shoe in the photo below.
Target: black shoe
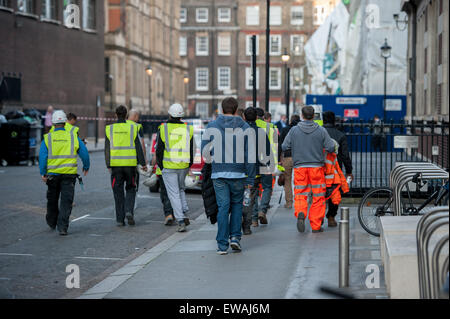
{"x": 262, "y": 218}
{"x": 130, "y": 219}
{"x": 120, "y": 224}
{"x": 63, "y": 232}
{"x": 301, "y": 222}
{"x": 187, "y": 222}
{"x": 247, "y": 231}
{"x": 318, "y": 230}
{"x": 51, "y": 227}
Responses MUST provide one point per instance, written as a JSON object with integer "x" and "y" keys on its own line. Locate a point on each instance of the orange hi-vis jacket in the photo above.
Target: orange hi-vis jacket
{"x": 334, "y": 179}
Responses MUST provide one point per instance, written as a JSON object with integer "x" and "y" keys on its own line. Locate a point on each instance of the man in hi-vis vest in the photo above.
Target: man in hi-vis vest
{"x": 174, "y": 155}
{"x": 123, "y": 152}
{"x": 58, "y": 168}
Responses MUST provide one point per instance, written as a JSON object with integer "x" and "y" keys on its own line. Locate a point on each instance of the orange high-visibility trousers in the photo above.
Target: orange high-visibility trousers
{"x": 307, "y": 179}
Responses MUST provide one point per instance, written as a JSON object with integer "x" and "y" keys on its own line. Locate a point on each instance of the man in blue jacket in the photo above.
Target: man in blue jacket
{"x": 227, "y": 143}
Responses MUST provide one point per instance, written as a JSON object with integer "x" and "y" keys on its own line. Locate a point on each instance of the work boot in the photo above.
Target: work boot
{"x": 262, "y": 218}
{"x": 168, "y": 220}
{"x": 181, "y": 227}
{"x": 246, "y": 230}
{"x": 318, "y": 230}
{"x": 130, "y": 219}
{"x": 301, "y": 222}
{"x": 255, "y": 223}
{"x": 332, "y": 222}
{"x": 63, "y": 232}
{"x": 187, "y": 222}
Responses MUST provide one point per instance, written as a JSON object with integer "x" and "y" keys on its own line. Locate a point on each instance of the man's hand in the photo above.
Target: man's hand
{"x": 85, "y": 172}
{"x": 44, "y": 178}
{"x": 351, "y": 176}
{"x": 144, "y": 168}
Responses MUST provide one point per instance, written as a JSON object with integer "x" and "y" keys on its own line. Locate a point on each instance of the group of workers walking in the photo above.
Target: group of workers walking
{"x": 233, "y": 181}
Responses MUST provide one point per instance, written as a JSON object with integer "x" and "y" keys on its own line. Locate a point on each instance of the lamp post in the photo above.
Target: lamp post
{"x": 385, "y": 53}
{"x": 149, "y": 72}
{"x": 186, "y": 87}
{"x": 110, "y": 79}
{"x": 285, "y": 58}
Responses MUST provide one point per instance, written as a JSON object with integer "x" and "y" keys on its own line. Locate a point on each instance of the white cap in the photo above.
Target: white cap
{"x": 59, "y": 117}
{"x": 176, "y": 110}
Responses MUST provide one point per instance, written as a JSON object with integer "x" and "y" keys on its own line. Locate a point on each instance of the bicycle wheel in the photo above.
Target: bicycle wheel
{"x": 375, "y": 203}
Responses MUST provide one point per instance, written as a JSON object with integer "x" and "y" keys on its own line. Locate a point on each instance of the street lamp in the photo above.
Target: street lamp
{"x": 386, "y": 54}
{"x": 110, "y": 78}
{"x": 285, "y": 58}
{"x": 186, "y": 82}
{"x": 399, "y": 22}
{"x": 149, "y": 72}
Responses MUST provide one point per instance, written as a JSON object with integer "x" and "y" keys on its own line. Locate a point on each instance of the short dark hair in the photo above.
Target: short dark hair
{"x": 259, "y": 112}
{"x": 121, "y": 112}
{"x": 240, "y": 111}
{"x": 329, "y": 117}
{"x": 250, "y": 114}
{"x": 295, "y": 119}
{"x": 267, "y": 116}
{"x": 308, "y": 112}
{"x": 71, "y": 116}
{"x": 229, "y": 105}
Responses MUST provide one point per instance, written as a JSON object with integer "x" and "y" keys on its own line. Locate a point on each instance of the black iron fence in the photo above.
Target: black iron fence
{"x": 374, "y": 149}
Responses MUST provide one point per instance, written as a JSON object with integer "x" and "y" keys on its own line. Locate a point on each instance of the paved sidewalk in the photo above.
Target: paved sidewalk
{"x": 276, "y": 262}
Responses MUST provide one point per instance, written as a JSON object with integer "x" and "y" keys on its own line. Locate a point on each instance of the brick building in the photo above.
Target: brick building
{"x": 52, "y": 54}
{"x": 218, "y": 45}
{"x": 141, "y": 55}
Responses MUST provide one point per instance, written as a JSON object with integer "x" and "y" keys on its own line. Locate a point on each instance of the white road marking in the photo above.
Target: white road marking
{"x": 99, "y": 258}
{"x": 12, "y": 254}
{"x": 79, "y": 218}
{"x": 101, "y": 218}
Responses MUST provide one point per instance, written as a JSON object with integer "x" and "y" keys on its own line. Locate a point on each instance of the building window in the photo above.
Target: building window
{"x": 26, "y": 6}
{"x": 202, "y": 45}
{"x": 49, "y": 10}
{"x": 107, "y": 74}
{"x": 183, "y": 46}
{"x": 296, "y": 78}
{"x": 320, "y": 14}
{"x": 250, "y": 104}
{"x": 183, "y": 15}
{"x": 275, "y": 79}
{"x": 224, "y": 44}
{"x": 89, "y": 14}
{"x": 275, "y": 44}
{"x": 275, "y": 15}
{"x": 252, "y": 17}
{"x": 224, "y": 15}
{"x": 202, "y": 15}
{"x": 224, "y": 78}
{"x": 201, "y": 77}
{"x": 201, "y": 109}
{"x": 297, "y": 15}
{"x": 248, "y": 45}
{"x": 249, "y": 78}
{"x": 69, "y": 19}
{"x": 297, "y": 42}
{"x": 5, "y": 3}
{"x": 273, "y": 107}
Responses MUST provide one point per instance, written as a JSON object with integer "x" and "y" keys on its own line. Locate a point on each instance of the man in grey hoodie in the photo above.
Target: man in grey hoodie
{"x": 307, "y": 142}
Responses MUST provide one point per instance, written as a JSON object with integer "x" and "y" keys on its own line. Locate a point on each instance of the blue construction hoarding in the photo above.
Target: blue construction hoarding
{"x": 361, "y": 107}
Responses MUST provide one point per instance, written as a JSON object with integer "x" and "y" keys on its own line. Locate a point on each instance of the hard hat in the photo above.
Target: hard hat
{"x": 191, "y": 181}
{"x": 151, "y": 181}
{"x": 59, "y": 117}
{"x": 176, "y": 110}
{"x": 142, "y": 172}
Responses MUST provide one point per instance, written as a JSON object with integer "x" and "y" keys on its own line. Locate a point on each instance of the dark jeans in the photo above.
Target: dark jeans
{"x": 124, "y": 202}
{"x": 229, "y": 197}
{"x": 263, "y": 206}
{"x": 247, "y": 211}
{"x": 60, "y": 186}
{"x": 168, "y": 210}
{"x": 332, "y": 209}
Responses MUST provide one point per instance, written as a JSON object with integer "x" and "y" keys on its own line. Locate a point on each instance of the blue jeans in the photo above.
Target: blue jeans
{"x": 229, "y": 197}
{"x": 266, "y": 182}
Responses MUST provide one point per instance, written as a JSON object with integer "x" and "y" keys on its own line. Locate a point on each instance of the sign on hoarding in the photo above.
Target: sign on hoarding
{"x": 393, "y": 105}
{"x": 406, "y": 141}
{"x": 351, "y": 100}
{"x": 351, "y": 113}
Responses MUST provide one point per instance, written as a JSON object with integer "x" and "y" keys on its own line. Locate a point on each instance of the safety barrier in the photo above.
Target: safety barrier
{"x": 404, "y": 173}
{"x": 431, "y": 274}
{"x": 344, "y": 253}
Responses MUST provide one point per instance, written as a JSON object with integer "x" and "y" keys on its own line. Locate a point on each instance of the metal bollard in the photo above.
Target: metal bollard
{"x": 344, "y": 256}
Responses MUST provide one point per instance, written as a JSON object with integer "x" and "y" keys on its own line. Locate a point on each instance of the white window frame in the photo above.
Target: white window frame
{"x": 204, "y": 106}
{"x": 297, "y": 21}
{"x": 252, "y": 18}
{"x": 198, "y": 52}
{"x": 221, "y": 44}
{"x": 300, "y": 74}
{"x": 46, "y": 10}
{"x": 278, "y": 86}
{"x": 248, "y": 44}
{"x": 183, "y": 15}
{"x": 182, "y": 46}
{"x": 29, "y": 7}
{"x": 276, "y": 15}
{"x": 220, "y": 12}
{"x": 226, "y": 70}
{"x": 86, "y": 15}
{"x": 248, "y": 78}
{"x": 197, "y": 79}
{"x": 301, "y": 38}
{"x": 319, "y": 17}
{"x": 279, "y": 37}
{"x": 200, "y": 19}
{"x": 273, "y": 107}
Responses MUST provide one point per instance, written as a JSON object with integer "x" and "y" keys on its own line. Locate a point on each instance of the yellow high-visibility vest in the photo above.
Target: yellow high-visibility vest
{"x": 62, "y": 149}
{"x": 270, "y": 131}
{"x": 121, "y": 137}
{"x": 177, "y": 140}
{"x": 68, "y": 127}
{"x": 138, "y": 125}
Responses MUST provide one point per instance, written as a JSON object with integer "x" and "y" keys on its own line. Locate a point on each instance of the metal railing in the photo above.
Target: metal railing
{"x": 431, "y": 274}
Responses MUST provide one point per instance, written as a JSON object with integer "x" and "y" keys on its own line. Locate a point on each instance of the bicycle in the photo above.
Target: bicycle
{"x": 379, "y": 202}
